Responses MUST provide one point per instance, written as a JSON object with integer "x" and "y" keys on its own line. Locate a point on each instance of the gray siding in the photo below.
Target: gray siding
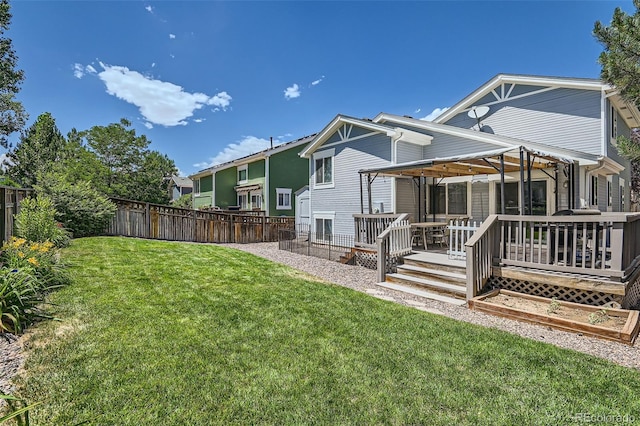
{"x": 447, "y": 146}
{"x": 344, "y": 198}
{"x": 355, "y": 132}
{"x": 406, "y": 152}
{"x": 567, "y": 118}
{"x": 407, "y": 197}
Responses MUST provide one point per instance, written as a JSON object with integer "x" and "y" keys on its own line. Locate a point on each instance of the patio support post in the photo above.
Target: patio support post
{"x": 555, "y": 184}
{"x": 502, "y": 207}
{"x": 361, "y": 196}
{"x": 369, "y": 193}
{"x": 530, "y": 195}
{"x": 572, "y": 186}
{"x": 522, "y": 202}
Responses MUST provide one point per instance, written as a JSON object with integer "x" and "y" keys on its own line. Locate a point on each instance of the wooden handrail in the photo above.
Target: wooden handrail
{"x": 382, "y": 245}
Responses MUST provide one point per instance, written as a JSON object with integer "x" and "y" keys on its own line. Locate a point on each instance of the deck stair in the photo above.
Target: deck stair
{"x": 431, "y": 276}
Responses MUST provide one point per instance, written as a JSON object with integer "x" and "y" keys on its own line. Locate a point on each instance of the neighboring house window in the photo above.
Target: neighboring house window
{"x": 256, "y": 200}
{"x": 196, "y": 186}
{"x": 242, "y": 174}
{"x": 609, "y": 191}
{"x": 323, "y": 164}
{"x": 283, "y": 198}
{"x": 593, "y": 199}
{"x": 242, "y": 201}
{"x": 614, "y": 124}
{"x": 622, "y": 184}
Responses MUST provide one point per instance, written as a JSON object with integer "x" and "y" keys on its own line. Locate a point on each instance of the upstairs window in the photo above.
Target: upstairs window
{"x": 242, "y": 174}
{"x": 196, "y": 186}
{"x": 323, "y": 163}
{"x": 593, "y": 196}
{"x": 614, "y": 123}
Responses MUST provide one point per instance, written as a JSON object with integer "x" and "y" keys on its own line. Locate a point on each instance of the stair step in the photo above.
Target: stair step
{"x": 426, "y": 272}
{"x": 423, "y": 293}
{"x": 435, "y": 285}
{"x": 442, "y": 263}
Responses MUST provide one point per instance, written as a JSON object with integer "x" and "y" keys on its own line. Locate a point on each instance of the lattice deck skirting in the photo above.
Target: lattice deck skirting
{"x": 370, "y": 260}
{"x": 632, "y": 298}
{"x": 550, "y": 291}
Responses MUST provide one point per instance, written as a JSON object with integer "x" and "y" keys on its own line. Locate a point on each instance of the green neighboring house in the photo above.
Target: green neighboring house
{"x": 264, "y": 181}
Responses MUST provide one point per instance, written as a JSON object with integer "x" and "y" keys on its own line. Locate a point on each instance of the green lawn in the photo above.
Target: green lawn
{"x": 160, "y": 333}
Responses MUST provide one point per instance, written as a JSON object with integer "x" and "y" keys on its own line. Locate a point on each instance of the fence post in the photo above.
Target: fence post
{"x": 309, "y": 242}
{"x": 194, "y": 223}
{"x": 147, "y": 218}
{"x": 382, "y": 261}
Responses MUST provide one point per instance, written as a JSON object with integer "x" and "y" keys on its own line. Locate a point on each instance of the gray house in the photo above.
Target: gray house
{"x": 564, "y": 128}
{"x": 179, "y": 186}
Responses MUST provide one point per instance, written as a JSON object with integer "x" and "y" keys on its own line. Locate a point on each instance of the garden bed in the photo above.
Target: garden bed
{"x": 620, "y": 325}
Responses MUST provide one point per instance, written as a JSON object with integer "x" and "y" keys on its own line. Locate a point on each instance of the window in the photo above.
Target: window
{"x": 324, "y": 229}
{"x": 512, "y": 197}
{"x": 614, "y": 124}
{"x": 196, "y": 186}
{"x": 449, "y": 198}
{"x": 622, "y": 188}
{"x": 242, "y": 173}
{"x": 283, "y": 196}
{"x": 457, "y": 198}
{"x": 242, "y": 201}
{"x": 256, "y": 200}
{"x": 609, "y": 191}
{"x": 593, "y": 200}
{"x": 323, "y": 163}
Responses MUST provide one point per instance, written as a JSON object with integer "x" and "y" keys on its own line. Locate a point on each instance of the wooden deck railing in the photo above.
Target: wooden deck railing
{"x": 393, "y": 242}
{"x": 605, "y": 245}
{"x": 155, "y": 221}
{"x": 369, "y": 226}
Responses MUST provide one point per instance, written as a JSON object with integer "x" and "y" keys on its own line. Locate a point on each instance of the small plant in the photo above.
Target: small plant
{"x": 553, "y": 306}
{"x": 19, "y": 410}
{"x": 36, "y": 222}
{"x": 598, "y": 317}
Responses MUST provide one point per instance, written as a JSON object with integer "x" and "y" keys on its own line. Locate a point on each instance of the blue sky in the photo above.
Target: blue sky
{"x": 211, "y": 81}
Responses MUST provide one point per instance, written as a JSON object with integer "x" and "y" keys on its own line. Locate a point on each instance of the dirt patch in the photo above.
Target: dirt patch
{"x": 555, "y": 308}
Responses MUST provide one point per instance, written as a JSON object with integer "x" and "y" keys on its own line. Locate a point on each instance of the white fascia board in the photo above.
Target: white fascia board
{"x": 339, "y": 120}
{"x": 517, "y": 79}
{"x": 409, "y": 136}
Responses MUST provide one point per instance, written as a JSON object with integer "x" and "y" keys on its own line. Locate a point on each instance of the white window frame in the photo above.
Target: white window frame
{"x": 324, "y": 216}
{"x": 284, "y": 192}
{"x": 614, "y": 127}
{"x": 328, "y": 153}
{"x": 250, "y": 200}
{"x": 622, "y": 183}
{"x": 244, "y": 168}
{"x": 196, "y": 186}
{"x": 241, "y": 205}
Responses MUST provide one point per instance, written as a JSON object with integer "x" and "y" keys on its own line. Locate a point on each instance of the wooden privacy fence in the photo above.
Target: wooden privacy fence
{"x": 10, "y": 199}
{"x": 158, "y": 222}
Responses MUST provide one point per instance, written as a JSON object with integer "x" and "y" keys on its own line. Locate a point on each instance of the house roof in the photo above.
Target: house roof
{"x": 630, "y": 112}
{"x": 486, "y": 162}
{"x": 339, "y": 120}
{"x": 183, "y": 182}
{"x": 497, "y": 140}
{"x": 255, "y": 156}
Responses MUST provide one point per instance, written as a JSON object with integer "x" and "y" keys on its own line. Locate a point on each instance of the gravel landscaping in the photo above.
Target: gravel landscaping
{"x": 363, "y": 279}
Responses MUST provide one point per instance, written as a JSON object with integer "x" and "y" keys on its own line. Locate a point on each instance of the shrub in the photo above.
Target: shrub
{"x": 36, "y": 222}
{"x": 184, "y": 202}
{"x": 81, "y": 209}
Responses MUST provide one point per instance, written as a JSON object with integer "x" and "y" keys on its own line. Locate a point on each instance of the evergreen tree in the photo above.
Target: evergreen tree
{"x": 12, "y": 114}
{"x": 39, "y": 147}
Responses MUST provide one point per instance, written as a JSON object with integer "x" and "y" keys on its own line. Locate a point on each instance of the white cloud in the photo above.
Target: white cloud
{"x": 149, "y": 9}
{"x": 78, "y": 70}
{"x": 160, "y": 102}
{"x": 221, "y": 100}
{"x": 434, "y": 114}
{"x": 318, "y": 81}
{"x": 153, "y": 65}
{"x": 417, "y": 111}
{"x": 248, "y": 145}
{"x": 172, "y": 36}
{"x": 90, "y": 69}
{"x": 199, "y": 120}
{"x": 292, "y": 92}
{"x": 172, "y": 55}
{"x": 148, "y": 125}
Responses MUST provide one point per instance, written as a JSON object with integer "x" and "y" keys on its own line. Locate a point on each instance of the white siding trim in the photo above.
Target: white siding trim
{"x": 355, "y": 138}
